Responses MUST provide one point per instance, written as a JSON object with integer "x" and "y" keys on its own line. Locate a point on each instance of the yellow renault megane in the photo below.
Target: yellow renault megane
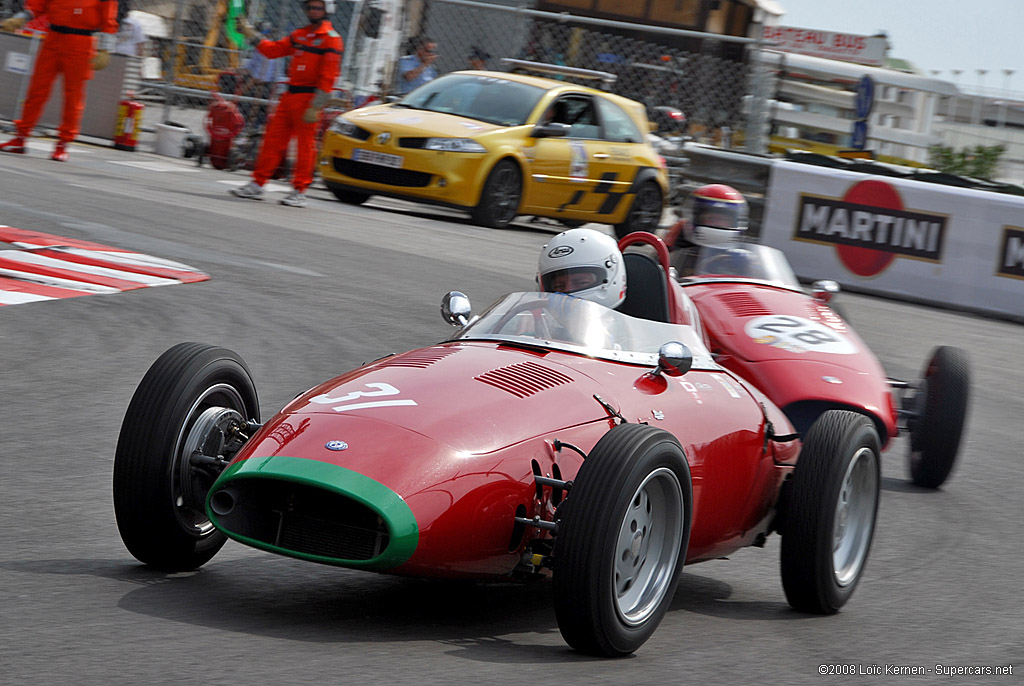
{"x": 500, "y": 145}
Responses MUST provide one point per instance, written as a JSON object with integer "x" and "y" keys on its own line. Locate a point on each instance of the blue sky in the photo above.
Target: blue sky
{"x": 933, "y": 34}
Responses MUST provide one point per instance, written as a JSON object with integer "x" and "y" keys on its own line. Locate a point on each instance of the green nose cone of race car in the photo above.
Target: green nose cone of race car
{"x": 313, "y": 511}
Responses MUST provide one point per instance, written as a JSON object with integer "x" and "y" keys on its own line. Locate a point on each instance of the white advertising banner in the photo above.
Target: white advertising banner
{"x": 847, "y": 47}
{"x": 923, "y": 241}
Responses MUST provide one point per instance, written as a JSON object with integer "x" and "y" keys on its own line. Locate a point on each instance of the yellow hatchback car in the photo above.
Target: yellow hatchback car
{"x": 500, "y": 145}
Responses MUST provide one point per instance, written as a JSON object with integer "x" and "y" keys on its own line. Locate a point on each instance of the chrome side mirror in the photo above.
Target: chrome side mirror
{"x": 823, "y": 291}
{"x": 455, "y": 308}
{"x": 674, "y": 359}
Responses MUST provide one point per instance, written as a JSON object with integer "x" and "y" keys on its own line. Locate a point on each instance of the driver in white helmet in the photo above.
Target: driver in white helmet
{"x": 588, "y": 265}
{"x": 584, "y": 263}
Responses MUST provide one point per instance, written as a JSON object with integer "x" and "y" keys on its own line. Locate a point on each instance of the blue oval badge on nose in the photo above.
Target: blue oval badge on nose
{"x": 336, "y": 445}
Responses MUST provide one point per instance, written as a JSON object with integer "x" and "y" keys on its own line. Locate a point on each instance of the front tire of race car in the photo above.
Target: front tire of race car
{"x": 644, "y": 213}
{"x": 831, "y": 507}
{"x": 941, "y": 411}
{"x": 192, "y": 400}
{"x": 622, "y": 541}
{"x": 499, "y": 201}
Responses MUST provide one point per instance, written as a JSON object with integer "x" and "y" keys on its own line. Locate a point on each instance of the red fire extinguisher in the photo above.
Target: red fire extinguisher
{"x": 129, "y": 121}
{"x": 223, "y": 122}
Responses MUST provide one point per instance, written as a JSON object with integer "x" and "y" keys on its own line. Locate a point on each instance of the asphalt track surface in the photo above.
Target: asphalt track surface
{"x": 305, "y": 294}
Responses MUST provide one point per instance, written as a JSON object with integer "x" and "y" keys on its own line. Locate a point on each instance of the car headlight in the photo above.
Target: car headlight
{"x": 344, "y": 127}
{"x": 454, "y": 145}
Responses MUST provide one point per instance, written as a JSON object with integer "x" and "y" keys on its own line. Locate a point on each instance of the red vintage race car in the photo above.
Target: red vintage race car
{"x": 550, "y": 436}
{"x": 789, "y": 342}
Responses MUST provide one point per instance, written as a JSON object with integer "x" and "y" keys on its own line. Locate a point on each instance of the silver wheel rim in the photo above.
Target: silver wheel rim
{"x": 854, "y": 517}
{"x": 199, "y": 421}
{"x": 648, "y": 546}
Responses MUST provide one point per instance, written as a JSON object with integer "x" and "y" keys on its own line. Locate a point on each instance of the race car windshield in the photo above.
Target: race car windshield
{"x": 484, "y": 98}
{"x": 744, "y": 260}
{"x": 564, "y": 322}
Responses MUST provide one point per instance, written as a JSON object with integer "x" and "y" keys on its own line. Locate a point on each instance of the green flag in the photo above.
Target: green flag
{"x": 236, "y": 9}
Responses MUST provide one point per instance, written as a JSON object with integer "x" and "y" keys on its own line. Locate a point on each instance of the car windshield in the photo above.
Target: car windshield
{"x": 484, "y": 98}
{"x": 746, "y": 260}
{"x": 564, "y": 322}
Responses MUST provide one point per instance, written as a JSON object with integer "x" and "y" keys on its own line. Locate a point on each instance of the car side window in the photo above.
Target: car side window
{"x": 618, "y": 125}
{"x": 578, "y": 112}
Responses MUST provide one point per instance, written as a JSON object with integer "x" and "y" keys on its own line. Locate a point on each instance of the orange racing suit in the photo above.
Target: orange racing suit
{"x": 67, "y": 49}
{"x": 317, "y": 59}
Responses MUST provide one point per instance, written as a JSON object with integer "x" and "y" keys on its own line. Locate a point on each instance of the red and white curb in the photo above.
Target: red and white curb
{"x": 41, "y": 266}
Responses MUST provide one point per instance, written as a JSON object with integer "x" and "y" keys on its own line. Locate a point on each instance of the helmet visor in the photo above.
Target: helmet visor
{"x": 717, "y": 215}
{"x": 572, "y": 280}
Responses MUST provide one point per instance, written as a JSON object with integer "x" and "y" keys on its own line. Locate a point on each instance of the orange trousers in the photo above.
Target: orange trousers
{"x": 63, "y": 54}
{"x": 286, "y": 123}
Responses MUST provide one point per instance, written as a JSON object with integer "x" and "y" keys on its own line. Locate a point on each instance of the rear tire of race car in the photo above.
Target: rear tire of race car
{"x": 159, "y": 497}
{"x": 612, "y": 583}
{"x": 644, "y": 213}
{"x": 942, "y": 399}
{"x": 347, "y": 196}
{"x": 500, "y": 198}
{"x": 831, "y": 507}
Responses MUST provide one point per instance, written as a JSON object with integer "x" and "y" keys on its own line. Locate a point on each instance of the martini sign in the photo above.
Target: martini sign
{"x": 870, "y": 227}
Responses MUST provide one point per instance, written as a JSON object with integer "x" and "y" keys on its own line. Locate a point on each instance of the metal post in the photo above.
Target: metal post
{"x": 757, "y": 114}
{"x": 978, "y": 99}
{"x": 179, "y": 19}
{"x": 956, "y": 98}
{"x": 1007, "y": 73}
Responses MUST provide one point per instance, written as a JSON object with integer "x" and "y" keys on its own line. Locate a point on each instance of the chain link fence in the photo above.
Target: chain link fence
{"x": 713, "y": 81}
{"x": 708, "y": 80}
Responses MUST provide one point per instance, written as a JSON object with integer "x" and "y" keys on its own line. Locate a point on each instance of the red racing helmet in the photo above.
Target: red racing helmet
{"x": 716, "y": 214}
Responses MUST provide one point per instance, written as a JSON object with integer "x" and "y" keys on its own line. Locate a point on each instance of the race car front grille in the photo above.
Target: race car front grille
{"x": 303, "y": 520}
{"x": 524, "y": 379}
{"x": 420, "y": 359}
{"x": 744, "y": 304}
{"x": 376, "y": 173}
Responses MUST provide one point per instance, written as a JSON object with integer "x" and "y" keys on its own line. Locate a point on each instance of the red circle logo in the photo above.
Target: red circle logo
{"x": 865, "y": 261}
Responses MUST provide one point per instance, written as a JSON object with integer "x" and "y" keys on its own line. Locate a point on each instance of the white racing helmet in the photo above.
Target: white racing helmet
{"x": 584, "y": 263}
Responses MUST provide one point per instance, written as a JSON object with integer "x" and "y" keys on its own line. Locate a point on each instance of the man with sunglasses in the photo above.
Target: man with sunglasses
{"x": 316, "y": 51}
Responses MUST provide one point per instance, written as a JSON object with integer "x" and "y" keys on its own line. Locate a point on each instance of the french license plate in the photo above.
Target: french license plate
{"x": 381, "y": 158}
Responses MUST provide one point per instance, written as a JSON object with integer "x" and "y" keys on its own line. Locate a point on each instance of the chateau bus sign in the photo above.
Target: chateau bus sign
{"x": 846, "y": 47}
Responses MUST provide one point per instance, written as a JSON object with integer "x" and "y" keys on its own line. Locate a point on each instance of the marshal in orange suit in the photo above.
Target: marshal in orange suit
{"x": 316, "y": 58}
{"x": 69, "y": 50}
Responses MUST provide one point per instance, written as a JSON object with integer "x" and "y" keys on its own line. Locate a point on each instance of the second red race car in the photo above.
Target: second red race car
{"x": 790, "y": 343}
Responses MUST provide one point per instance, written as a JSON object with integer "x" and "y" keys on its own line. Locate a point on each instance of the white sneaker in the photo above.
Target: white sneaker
{"x": 251, "y": 190}
{"x": 294, "y": 199}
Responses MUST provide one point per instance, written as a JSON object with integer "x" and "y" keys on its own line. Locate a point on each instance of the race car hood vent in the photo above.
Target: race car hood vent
{"x": 420, "y": 359}
{"x": 743, "y": 304}
{"x": 524, "y": 379}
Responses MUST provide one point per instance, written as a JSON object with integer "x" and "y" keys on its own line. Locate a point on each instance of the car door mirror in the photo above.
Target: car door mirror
{"x": 456, "y": 308}
{"x": 823, "y": 291}
{"x": 674, "y": 359}
{"x": 552, "y": 130}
